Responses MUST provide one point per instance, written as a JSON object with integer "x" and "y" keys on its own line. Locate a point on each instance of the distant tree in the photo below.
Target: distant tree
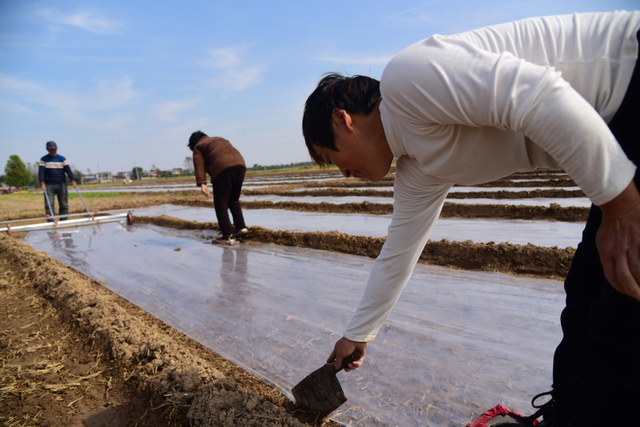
{"x": 79, "y": 176}
{"x": 188, "y": 163}
{"x": 136, "y": 173}
{"x": 16, "y": 173}
{"x": 33, "y": 170}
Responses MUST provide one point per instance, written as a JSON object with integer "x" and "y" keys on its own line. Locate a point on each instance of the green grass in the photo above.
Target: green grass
{"x": 295, "y": 169}
{"x": 93, "y": 195}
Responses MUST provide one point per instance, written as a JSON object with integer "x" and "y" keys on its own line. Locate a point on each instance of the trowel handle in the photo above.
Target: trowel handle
{"x": 354, "y": 356}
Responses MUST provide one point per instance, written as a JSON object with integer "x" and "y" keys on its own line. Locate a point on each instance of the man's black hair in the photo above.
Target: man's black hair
{"x": 195, "y": 137}
{"x": 355, "y": 95}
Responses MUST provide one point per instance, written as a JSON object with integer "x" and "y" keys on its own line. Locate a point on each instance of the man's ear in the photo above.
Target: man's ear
{"x": 342, "y": 119}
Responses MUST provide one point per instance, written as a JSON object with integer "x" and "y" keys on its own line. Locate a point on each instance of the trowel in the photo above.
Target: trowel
{"x": 320, "y": 391}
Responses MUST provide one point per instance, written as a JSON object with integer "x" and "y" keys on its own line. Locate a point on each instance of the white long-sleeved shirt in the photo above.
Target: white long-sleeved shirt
{"x": 477, "y": 106}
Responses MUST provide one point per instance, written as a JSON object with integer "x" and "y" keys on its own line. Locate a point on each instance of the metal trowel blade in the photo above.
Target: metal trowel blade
{"x": 320, "y": 391}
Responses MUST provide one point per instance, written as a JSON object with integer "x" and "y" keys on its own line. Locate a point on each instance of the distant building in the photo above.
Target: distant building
{"x": 104, "y": 177}
{"x": 123, "y": 176}
{"x": 99, "y": 178}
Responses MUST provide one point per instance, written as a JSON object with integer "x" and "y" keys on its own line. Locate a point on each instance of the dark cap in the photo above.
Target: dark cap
{"x": 51, "y": 145}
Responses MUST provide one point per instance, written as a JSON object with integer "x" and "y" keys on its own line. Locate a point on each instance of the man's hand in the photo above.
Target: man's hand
{"x": 343, "y": 349}
{"x": 43, "y": 185}
{"x": 618, "y": 242}
{"x": 74, "y": 183}
{"x": 205, "y": 190}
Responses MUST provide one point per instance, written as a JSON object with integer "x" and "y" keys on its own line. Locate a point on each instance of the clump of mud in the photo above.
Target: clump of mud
{"x": 223, "y": 404}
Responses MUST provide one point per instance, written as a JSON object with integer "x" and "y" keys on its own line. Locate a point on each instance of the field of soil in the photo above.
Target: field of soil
{"x": 75, "y": 354}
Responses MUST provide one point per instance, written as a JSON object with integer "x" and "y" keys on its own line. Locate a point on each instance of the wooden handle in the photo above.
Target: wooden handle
{"x": 354, "y": 356}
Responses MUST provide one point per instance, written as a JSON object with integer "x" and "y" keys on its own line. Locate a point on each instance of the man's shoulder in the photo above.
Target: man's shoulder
{"x": 57, "y": 158}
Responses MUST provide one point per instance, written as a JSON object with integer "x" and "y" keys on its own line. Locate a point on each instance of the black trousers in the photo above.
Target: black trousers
{"x": 58, "y": 190}
{"x": 596, "y": 372}
{"x": 226, "y": 197}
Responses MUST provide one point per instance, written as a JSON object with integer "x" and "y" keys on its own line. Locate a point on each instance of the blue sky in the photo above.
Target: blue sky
{"x": 120, "y": 84}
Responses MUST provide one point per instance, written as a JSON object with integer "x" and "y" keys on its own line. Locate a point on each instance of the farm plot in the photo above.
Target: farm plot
{"x": 441, "y": 394}
{"x": 276, "y": 311}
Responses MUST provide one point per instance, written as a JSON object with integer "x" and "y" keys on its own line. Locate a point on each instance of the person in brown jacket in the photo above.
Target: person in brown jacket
{"x": 225, "y": 165}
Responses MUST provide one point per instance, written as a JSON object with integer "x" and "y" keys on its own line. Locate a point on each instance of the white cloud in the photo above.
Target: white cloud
{"x": 166, "y": 110}
{"x": 235, "y": 73}
{"x": 413, "y": 9}
{"x": 228, "y": 57}
{"x": 93, "y": 22}
{"x": 118, "y": 121}
{"x": 9, "y": 107}
{"x": 356, "y": 60}
{"x": 114, "y": 93}
{"x": 107, "y": 95}
{"x": 182, "y": 131}
{"x": 10, "y": 83}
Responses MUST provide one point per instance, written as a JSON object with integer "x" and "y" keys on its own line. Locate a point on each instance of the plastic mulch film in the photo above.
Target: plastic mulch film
{"x": 540, "y": 201}
{"x": 521, "y": 232}
{"x": 456, "y": 344}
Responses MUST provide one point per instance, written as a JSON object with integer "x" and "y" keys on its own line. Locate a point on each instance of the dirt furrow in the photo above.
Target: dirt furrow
{"x": 144, "y": 372}
{"x": 551, "y": 262}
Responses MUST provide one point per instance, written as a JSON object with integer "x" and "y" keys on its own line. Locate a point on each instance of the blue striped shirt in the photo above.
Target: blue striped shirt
{"x": 51, "y": 170}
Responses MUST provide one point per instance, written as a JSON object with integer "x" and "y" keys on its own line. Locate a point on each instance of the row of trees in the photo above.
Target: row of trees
{"x": 19, "y": 174}
{"x": 257, "y": 167}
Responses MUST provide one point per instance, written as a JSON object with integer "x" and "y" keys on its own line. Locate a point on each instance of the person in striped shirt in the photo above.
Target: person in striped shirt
{"x": 51, "y": 173}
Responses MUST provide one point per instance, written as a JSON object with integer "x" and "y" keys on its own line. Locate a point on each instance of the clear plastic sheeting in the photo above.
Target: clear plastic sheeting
{"x": 567, "y": 202}
{"x": 521, "y": 232}
{"x": 261, "y": 181}
{"x": 564, "y": 202}
{"x": 452, "y": 190}
{"x": 290, "y": 176}
{"x": 456, "y": 344}
{"x": 457, "y": 189}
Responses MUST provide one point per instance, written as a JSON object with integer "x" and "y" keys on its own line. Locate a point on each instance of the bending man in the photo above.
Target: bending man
{"x": 558, "y": 92}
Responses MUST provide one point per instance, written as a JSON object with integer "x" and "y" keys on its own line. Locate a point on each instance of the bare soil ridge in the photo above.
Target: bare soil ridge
{"x": 554, "y": 212}
{"x": 551, "y": 262}
{"x": 141, "y": 372}
{"x": 498, "y": 194}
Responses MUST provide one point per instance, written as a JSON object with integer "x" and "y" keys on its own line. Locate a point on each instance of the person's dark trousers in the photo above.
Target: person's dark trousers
{"x": 58, "y": 190}
{"x": 596, "y": 372}
{"x": 226, "y": 197}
